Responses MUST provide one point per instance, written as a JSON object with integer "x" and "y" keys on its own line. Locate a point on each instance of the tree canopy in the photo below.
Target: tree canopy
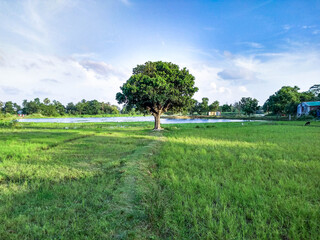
{"x": 315, "y": 90}
{"x": 286, "y": 100}
{"x": 226, "y": 108}
{"x": 157, "y": 87}
{"x": 213, "y": 107}
{"x": 248, "y": 105}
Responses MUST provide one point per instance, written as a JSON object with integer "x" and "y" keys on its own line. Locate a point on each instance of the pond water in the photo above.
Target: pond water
{"x": 123, "y": 119}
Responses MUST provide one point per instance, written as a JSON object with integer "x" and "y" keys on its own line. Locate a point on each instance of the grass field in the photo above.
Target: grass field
{"x": 259, "y": 180}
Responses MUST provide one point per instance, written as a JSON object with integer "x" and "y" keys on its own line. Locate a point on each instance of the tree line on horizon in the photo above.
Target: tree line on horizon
{"x": 284, "y": 101}
{"x": 56, "y": 108}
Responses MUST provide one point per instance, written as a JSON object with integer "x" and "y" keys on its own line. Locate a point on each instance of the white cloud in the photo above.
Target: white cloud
{"x": 253, "y": 44}
{"x": 224, "y": 76}
{"x": 27, "y": 75}
{"x": 32, "y": 22}
{"x": 49, "y": 81}
{"x": 315, "y": 32}
{"x": 256, "y": 75}
{"x": 210, "y": 85}
{"x": 228, "y": 54}
{"x": 287, "y": 27}
{"x": 308, "y": 26}
{"x": 238, "y": 75}
{"x": 10, "y": 90}
{"x": 243, "y": 89}
{"x": 101, "y": 68}
{"x": 126, "y": 2}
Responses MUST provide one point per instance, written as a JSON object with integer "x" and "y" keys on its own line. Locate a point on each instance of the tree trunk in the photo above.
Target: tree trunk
{"x": 157, "y": 121}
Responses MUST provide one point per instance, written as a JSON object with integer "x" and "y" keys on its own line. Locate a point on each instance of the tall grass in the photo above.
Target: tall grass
{"x": 66, "y": 183}
{"x": 234, "y": 181}
{"x": 252, "y": 180}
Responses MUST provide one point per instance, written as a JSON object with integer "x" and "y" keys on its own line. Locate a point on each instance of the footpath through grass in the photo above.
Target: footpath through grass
{"x": 258, "y": 180}
{"x": 74, "y": 181}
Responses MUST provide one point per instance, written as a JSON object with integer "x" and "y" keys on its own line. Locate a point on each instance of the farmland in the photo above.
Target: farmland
{"x": 259, "y": 180}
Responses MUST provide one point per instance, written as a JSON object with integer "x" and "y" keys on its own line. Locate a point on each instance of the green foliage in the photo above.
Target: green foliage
{"x": 315, "y": 90}
{"x": 201, "y": 108}
{"x": 307, "y": 96}
{"x": 157, "y": 87}
{"x": 9, "y": 107}
{"x": 286, "y": 100}
{"x": 314, "y": 112}
{"x": 8, "y": 123}
{"x": 226, "y": 108}
{"x": 283, "y": 101}
{"x": 56, "y": 108}
{"x": 248, "y": 105}
{"x": 213, "y": 107}
{"x": 204, "y": 106}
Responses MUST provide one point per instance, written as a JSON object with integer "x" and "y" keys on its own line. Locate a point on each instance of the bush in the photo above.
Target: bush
{"x": 306, "y": 117}
{"x": 313, "y": 113}
{"x": 9, "y": 124}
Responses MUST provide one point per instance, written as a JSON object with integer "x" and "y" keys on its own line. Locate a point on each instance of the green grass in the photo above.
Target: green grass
{"x": 259, "y": 180}
{"x": 256, "y": 181}
{"x": 73, "y": 183}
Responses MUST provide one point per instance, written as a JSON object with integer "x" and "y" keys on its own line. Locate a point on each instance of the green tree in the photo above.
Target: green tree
{"x": 32, "y": 106}
{"x": 315, "y": 90}
{"x": 236, "y": 107}
{"x": 307, "y": 96}
{"x": 157, "y": 87}
{"x": 17, "y": 107}
{"x": 248, "y": 105}
{"x": 131, "y": 111}
{"x": 204, "y": 105}
{"x": 1, "y": 106}
{"x": 46, "y": 101}
{"x": 92, "y": 107}
{"x": 213, "y": 107}
{"x": 284, "y": 100}
{"x": 195, "y": 107}
{"x": 107, "y": 108}
{"x": 80, "y": 107}
{"x": 226, "y": 108}
{"x": 9, "y": 108}
{"x": 60, "y": 108}
{"x": 71, "y": 108}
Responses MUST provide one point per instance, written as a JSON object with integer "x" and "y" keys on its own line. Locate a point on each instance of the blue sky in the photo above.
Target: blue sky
{"x": 70, "y": 50}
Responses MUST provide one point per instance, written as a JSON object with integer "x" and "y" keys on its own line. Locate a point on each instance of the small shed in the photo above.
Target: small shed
{"x": 304, "y": 108}
{"x": 214, "y": 113}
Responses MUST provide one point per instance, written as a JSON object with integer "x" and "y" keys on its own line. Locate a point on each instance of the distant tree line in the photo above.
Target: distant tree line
{"x": 246, "y": 105}
{"x": 56, "y": 108}
{"x": 284, "y": 101}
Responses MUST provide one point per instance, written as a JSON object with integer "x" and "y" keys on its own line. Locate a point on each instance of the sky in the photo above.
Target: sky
{"x": 69, "y": 50}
